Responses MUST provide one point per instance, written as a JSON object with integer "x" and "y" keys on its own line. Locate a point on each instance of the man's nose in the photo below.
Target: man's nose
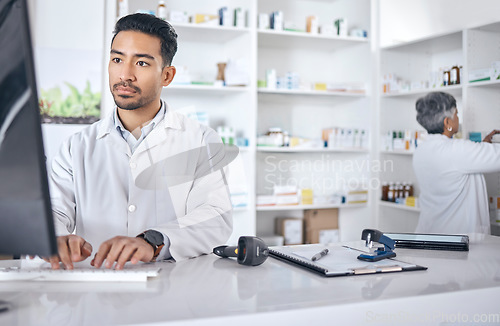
{"x": 127, "y": 72}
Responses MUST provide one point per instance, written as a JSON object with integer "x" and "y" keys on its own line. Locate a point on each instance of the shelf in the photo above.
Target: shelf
{"x": 487, "y": 83}
{"x": 302, "y": 207}
{"x": 493, "y": 27}
{"x": 309, "y": 92}
{"x": 455, "y": 90}
{"x": 310, "y": 150}
{"x": 432, "y": 44}
{"x": 204, "y": 89}
{"x": 207, "y": 33}
{"x": 302, "y": 40}
{"x": 406, "y": 153}
{"x": 399, "y": 206}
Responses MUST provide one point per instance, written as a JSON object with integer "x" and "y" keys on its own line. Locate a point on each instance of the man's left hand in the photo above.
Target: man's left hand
{"x": 122, "y": 249}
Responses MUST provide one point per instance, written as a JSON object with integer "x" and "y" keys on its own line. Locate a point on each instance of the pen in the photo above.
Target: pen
{"x": 320, "y": 255}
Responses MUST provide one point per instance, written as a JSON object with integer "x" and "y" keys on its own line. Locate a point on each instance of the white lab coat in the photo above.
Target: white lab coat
{"x": 101, "y": 190}
{"x": 453, "y": 197}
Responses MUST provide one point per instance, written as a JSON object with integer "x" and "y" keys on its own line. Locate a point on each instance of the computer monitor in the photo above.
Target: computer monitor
{"x": 26, "y": 224}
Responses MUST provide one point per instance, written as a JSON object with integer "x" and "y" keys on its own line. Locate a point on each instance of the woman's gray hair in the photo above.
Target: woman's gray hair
{"x": 433, "y": 108}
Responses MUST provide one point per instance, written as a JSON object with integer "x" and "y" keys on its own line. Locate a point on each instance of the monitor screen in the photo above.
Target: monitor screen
{"x": 26, "y": 225}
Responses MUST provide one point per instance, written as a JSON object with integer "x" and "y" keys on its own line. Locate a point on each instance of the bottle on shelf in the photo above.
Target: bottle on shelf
{"x": 122, "y": 8}
{"x": 161, "y": 10}
{"x": 390, "y": 193}
{"x": 446, "y": 77}
{"x": 455, "y": 75}
{"x": 385, "y": 191}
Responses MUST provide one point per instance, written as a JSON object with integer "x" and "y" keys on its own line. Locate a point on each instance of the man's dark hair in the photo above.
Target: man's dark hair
{"x": 153, "y": 26}
{"x": 433, "y": 108}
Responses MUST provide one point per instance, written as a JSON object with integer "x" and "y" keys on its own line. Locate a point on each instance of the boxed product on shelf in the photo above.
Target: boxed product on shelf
{"x": 358, "y": 32}
{"x": 495, "y": 70}
{"x": 312, "y": 24}
{"x": 345, "y": 138}
{"x": 341, "y": 26}
{"x": 264, "y": 21}
{"x": 321, "y": 225}
{"x": 225, "y": 18}
{"x": 277, "y": 20}
{"x": 290, "y": 228}
{"x": 292, "y": 27}
{"x": 287, "y": 200}
{"x": 227, "y": 134}
{"x": 240, "y": 18}
{"x": 477, "y": 75}
{"x": 411, "y": 201}
{"x": 357, "y": 196}
{"x": 402, "y": 140}
{"x": 306, "y": 196}
{"x": 205, "y": 19}
{"x": 178, "y": 16}
{"x": 264, "y": 200}
{"x": 475, "y": 136}
{"x": 319, "y": 86}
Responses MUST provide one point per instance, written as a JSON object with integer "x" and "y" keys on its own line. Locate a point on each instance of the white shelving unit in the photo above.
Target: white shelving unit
{"x": 478, "y": 102}
{"x": 305, "y": 112}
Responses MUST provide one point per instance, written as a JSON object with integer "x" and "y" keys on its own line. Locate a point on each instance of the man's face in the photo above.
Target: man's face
{"x": 136, "y": 76}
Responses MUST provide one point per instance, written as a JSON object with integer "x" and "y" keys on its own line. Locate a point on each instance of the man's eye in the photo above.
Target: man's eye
{"x": 142, "y": 63}
{"x": 116, "y": 60}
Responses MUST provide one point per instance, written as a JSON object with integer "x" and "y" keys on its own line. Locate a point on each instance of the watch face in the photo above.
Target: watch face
{"x": 154, "y": 237}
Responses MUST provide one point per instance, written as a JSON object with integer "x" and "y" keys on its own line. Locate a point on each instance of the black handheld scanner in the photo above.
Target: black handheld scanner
{"x": 251, "y": 251}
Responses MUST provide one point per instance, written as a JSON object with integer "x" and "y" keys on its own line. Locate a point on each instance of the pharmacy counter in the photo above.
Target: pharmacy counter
{"x": 457, "y": 288}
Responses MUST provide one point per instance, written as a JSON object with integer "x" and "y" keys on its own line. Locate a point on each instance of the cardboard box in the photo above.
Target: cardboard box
{"x": 321, "y": 225}
{"x": 290, "y": 228}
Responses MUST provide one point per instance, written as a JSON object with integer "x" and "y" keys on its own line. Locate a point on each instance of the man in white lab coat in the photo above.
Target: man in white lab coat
{"x": 144, "y": 183}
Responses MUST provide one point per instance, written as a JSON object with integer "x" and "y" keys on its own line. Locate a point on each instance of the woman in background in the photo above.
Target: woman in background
{"x": 453, "y": 197}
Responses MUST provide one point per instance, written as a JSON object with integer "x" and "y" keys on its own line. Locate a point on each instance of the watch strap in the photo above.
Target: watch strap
{"x": 156, "y": 249}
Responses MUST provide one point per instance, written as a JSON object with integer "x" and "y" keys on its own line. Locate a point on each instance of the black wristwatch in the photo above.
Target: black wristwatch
{"x": 155, "y": 239}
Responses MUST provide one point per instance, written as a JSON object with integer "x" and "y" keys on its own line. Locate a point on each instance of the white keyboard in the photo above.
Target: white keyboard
{"x": 79, "y": 274}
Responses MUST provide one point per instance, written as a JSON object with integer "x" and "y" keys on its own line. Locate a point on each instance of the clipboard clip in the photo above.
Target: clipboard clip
{"x": 372, "y": 235}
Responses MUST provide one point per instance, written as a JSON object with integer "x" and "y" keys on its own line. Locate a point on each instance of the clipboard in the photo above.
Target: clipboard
{"x": 340, "y": 261}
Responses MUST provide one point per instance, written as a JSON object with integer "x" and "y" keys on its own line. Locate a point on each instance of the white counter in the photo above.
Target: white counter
{"x": 457, "y": 287}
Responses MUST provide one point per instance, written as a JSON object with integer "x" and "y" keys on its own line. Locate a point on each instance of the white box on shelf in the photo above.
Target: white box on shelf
{"x": 177, "y": 16}
{"x": 264, "y": 22}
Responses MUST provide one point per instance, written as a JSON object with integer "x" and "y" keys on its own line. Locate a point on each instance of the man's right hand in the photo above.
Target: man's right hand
{"x": 71, "y": 248}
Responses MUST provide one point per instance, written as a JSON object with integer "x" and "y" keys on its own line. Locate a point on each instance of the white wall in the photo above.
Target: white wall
{"x": 406, "y": 20}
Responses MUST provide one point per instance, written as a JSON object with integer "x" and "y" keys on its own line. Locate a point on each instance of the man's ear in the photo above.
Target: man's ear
{"x": 168, "y": 74}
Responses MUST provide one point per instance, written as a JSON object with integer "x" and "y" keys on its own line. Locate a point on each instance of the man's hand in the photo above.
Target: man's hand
{"x": 121, "y": 250}
{"x": 71, "y": 248}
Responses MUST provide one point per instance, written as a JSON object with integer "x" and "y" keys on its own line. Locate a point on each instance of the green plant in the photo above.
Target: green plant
{"x": 76, "y": 104}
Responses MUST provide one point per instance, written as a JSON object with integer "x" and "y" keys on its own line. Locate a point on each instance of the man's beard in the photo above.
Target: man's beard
{"x": 121, "y": 100}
